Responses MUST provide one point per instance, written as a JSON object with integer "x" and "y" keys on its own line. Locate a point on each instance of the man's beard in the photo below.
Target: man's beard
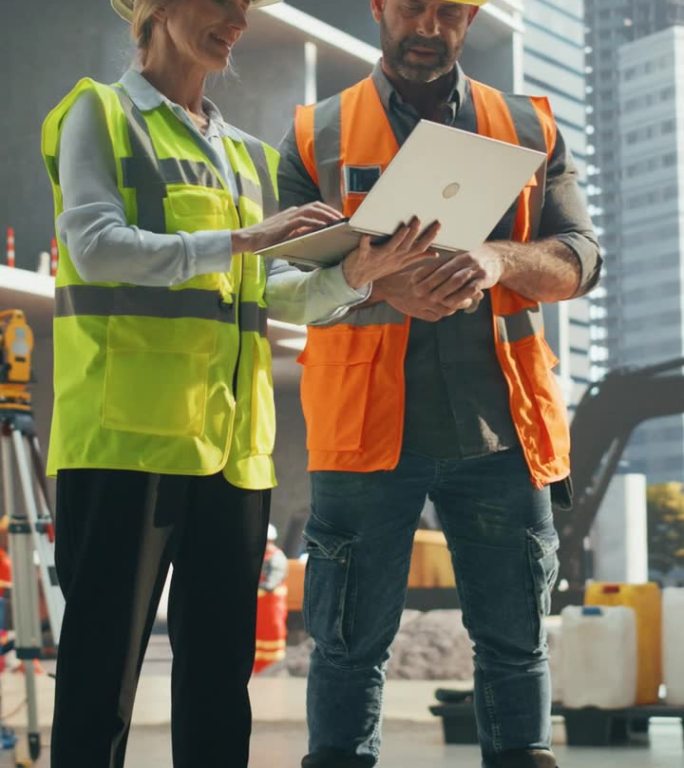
{"x": 396, "y": 54}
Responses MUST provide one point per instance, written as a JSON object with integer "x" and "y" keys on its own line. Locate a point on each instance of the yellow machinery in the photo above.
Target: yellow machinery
{"x": 16, "y": 349}
{"x": 31, "y": 524}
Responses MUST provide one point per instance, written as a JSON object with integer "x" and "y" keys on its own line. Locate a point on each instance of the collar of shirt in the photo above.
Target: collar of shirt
{"x": 146, "y": 97}
{"x": 392, "y": 100}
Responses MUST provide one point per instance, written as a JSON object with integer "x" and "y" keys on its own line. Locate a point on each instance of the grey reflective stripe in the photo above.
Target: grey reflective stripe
{"x": 253, "y": 317}
{"x": 171, "y": 170}
{"x": 144, "y": 173}
{"x": 267, "y": 196}
{"x": 142, "y": 302}
{"x": 149, "y": 175}
{"x": 191, "y": 172}
{"x": 526, "y": 121}
{"x": 519, "y": 326}
{"x": 249, "y": 189}
{"x": 530, "y": 134}
{"x": 328, "y": 149}
{"x": 376, "y": 314}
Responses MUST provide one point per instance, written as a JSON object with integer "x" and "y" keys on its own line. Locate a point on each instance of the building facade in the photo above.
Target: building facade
{"x": 650, "y": 269}
{"x": 554, "y": 66}
{"x": 609, "y": 25}
{"x": 635, "y": 189}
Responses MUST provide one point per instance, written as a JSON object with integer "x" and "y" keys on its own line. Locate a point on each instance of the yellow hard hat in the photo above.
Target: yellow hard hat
{"x": 125, "y": 7}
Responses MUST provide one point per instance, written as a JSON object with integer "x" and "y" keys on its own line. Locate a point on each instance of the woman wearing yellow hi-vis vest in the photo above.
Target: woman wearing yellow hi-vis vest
{"x": 163, "y": 422}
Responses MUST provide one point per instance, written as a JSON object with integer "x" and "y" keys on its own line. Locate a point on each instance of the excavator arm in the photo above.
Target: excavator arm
{"x": 604, "y": 420}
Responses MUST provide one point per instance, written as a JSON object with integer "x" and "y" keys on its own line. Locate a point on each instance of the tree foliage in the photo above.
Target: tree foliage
{"x": 666, "y": 530}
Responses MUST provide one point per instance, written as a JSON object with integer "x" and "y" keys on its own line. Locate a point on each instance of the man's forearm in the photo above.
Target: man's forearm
{"x": 545, "y": 270}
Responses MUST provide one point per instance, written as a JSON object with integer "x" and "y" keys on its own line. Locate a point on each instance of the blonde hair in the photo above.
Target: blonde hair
{"x": 141, "y": 25}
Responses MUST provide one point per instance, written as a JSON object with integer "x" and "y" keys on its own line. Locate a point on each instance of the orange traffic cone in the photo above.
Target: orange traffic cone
{"x": 11, "y": 253}
{"x": 54, "y": 256}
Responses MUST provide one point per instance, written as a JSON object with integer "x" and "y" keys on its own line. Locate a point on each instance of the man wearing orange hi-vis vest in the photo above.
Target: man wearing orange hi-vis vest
{"x": 440, "y": 385}
{"x": 271, "y": 621}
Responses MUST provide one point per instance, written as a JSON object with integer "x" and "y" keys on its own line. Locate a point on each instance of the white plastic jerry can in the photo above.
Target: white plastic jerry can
{"x": 673, "y": 645}
{"x": 599, "y": 664}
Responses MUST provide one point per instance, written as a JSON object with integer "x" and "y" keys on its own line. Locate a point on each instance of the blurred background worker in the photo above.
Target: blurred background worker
{"x": 271, "y": 626}
{"x": 441, "y": 385}
{"x": 164, "y": 420}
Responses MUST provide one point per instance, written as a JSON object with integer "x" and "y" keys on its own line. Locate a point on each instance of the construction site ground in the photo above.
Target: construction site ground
{"x": 413, "y": 737}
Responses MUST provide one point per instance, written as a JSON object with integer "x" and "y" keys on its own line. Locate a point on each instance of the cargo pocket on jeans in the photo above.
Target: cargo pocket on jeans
{"x": 543, "y": 560}
{"x": 329, "y": 587}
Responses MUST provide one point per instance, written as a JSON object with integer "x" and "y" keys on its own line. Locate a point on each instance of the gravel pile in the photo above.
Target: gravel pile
{"x": 429, "y": 646}
{"x": 432, "y": 646}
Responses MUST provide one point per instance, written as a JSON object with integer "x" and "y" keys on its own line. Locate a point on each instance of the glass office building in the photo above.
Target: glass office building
{"x": 635, "y": 81}
{"x": 554, "y": 66}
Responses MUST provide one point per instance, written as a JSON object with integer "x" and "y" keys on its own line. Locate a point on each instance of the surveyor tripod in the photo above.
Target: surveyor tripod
{"x": 31, "y": 537}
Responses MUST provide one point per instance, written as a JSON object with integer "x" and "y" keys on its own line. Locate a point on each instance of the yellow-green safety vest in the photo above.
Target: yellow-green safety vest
{"x": 166, "y": 380}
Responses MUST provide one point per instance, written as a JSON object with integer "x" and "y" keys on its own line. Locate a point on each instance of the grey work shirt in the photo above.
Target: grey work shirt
{"x": 456, "y": 396}
{"x": 105, "y": 248}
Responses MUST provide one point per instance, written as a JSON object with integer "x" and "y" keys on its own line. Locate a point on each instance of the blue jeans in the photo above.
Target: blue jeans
{"x": 359, "y": 537}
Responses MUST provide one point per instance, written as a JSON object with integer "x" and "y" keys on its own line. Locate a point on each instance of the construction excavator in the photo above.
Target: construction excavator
{"x": 605, "y": 417}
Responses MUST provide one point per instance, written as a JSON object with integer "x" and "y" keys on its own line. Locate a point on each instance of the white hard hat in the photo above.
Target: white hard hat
{"x": 125, "y": 7}
{"x": 272, "y": 534}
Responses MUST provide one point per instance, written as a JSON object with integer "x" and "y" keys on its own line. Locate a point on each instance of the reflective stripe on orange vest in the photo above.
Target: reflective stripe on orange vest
{"x": 353, "y": 371}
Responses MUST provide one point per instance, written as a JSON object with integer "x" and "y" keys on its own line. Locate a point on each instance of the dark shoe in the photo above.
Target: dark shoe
{"x": 524, "y": 758}
{"x": 332, "y": 758}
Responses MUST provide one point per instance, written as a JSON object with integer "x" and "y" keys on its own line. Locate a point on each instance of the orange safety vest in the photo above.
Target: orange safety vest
{"x": 271, "y": 625}
{"x": 353, "y": 371}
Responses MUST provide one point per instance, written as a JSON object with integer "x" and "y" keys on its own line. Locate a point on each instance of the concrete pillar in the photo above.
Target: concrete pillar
{"x": 619, "y": 536}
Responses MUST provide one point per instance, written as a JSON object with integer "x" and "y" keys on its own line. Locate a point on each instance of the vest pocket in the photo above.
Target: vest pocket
{"x": 537, "y": 361}
{"x": 197, "y": 208}
{"x": 336, "y": 381}
{"x": 156, "y": 375}
{"x": 263, "y": 407}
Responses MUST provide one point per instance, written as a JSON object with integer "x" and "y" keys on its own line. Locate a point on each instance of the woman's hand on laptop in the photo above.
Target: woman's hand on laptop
{"x": 408, "y": 245}
{"x": 292, "y": 222}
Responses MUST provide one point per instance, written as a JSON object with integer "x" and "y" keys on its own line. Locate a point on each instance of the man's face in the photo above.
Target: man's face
{"x": 422, "y": 39}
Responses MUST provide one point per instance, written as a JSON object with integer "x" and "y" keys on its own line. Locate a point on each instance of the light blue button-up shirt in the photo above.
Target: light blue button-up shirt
{"x": 105, "y": 248}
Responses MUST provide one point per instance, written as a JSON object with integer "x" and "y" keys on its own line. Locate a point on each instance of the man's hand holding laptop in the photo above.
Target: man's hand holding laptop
{"x": 409, "y": 245}
{"x": 438, "y": 287}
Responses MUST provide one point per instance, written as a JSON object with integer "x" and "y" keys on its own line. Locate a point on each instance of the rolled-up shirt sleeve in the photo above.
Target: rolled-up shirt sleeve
{"x": 565, "y": 216}
{"x": 102, "y": 245}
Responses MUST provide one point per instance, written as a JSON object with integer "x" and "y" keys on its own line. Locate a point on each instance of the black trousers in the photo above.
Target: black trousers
{"x": 117, "y": 533}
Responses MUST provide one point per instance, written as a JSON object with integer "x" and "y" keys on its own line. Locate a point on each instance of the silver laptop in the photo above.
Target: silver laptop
{"x": 465, "y": 181}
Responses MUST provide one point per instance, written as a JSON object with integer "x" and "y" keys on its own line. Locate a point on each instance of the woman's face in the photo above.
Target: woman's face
{"x": 204, "y": 31}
